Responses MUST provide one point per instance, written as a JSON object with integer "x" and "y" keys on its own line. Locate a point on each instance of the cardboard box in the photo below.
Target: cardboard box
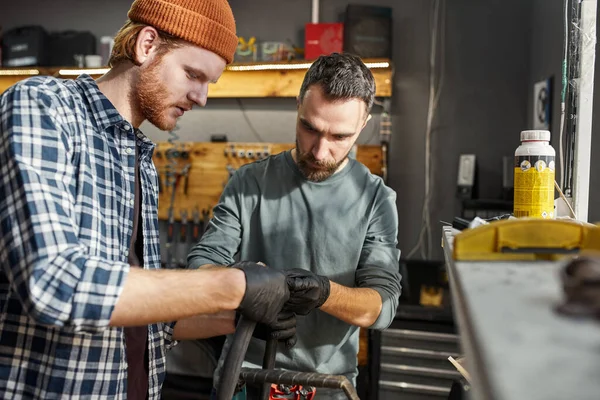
{"x": 323, "y": 39}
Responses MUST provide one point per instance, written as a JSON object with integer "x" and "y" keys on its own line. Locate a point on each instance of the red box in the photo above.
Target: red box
{"x": 323, "y": 39}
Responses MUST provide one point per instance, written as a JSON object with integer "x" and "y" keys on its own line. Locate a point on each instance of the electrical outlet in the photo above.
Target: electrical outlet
{"x": 466, "y": 170}
{"x": 466, "y": 175}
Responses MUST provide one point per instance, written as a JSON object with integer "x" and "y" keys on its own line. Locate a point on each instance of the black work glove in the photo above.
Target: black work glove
{"x": 266, "y": 292}
{"x": 307, "y": 291}
{"x": 284, "y": 329}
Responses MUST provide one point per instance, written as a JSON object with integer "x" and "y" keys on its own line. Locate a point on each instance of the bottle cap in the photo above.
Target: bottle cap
{"x": 535, "y": 135}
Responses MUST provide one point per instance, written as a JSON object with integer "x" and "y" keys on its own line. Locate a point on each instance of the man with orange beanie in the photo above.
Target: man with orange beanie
{"x": 84, "y": 303}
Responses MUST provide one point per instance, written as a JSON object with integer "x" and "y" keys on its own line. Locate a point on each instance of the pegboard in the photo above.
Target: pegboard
{"x": 202, "y": 169}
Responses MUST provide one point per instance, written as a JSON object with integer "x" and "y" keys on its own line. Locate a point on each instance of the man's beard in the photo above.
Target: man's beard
{"x": 150, "y": 92}
{"x": 313, "y": 170}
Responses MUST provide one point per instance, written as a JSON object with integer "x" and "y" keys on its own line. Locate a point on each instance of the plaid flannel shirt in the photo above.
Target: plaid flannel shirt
{"x": 66, "y": 217}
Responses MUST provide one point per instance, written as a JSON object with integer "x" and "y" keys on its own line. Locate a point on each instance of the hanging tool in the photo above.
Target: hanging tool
{"x": 183, "y": 238}
{"x": 171, "y": 155}
{"x": 260, "y": 154}
{"x": 171, "y": 182}
{"x": 185, "y": 173}
{"x": 185, "y": 155}
{"x": 230, "y": 151}
{"x": 205, "y": 219}
{"x": 197, "y": 225}
{"x": 230, "y": 170}
{"x": 170, "y": 237}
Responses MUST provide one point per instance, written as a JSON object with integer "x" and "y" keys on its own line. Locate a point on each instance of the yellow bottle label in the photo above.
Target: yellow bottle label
{"x": 534, "y": 186}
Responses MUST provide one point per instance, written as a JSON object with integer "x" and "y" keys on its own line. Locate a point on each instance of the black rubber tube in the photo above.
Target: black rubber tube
{"x": 268, "y": 363}
{"x": 232, "y": 367}
{"x": 230, "y": 373}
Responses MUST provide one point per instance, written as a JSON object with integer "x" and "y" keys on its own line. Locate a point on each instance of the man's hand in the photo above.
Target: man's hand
{"x": 266, "y": 292}
{"x": 307, "y": 291}
{"x": 284, "y": 329}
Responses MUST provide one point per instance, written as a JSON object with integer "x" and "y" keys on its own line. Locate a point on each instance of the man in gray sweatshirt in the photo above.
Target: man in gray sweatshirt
{"x": 322, "y": 218}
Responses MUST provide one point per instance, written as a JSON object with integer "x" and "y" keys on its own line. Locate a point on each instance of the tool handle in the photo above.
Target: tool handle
{"x": 183, "y": 232}
{"x": 170, "y": 231}
{"x": 196, "y": 232}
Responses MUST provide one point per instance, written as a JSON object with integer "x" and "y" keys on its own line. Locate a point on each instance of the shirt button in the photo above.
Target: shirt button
{"x": 131, "y": 202}
{"x": 129, "y": 150}
{"x": 126, "y": 253}
{"x": 126, "y": 127}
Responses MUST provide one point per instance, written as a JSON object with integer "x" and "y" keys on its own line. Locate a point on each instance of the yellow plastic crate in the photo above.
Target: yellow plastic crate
{"x": 527, "y": 239}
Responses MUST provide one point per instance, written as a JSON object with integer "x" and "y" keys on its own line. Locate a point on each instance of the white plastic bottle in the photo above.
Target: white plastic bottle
{"x": 534, "y": 176}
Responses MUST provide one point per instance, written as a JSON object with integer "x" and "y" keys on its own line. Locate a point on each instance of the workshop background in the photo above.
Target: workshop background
{"x": 494, "y": 52}
{"x": 491, "y": 55}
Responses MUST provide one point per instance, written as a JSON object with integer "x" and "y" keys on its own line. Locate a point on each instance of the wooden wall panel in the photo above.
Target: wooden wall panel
{"x": 207, "y": 165}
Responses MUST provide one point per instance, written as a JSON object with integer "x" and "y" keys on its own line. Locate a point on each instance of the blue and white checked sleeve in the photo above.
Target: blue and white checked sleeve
{"x": 57, "y": 282}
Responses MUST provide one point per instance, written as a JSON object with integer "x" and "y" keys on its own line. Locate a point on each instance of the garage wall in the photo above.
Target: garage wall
{"x": 483, "y": 107}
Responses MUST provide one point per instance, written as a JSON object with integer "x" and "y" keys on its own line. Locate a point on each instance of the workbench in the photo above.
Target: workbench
{"x": 516, "y": 345}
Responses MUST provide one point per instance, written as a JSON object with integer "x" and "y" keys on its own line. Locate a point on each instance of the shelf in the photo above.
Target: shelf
{"x": 273, "y": 79}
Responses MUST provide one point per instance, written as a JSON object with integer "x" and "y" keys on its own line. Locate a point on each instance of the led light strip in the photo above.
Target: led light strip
{"x": 251, "y": 67}
{"x": 295, "y": 66}
{"x": 17, "y": 72}
{"x": 77, "y": 72}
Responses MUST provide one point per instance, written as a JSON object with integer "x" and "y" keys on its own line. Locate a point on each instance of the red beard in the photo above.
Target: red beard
{"x": 151, "y": 94}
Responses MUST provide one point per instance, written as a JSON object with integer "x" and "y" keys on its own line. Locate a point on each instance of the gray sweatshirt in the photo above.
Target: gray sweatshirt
{"x": 344, "y": 228}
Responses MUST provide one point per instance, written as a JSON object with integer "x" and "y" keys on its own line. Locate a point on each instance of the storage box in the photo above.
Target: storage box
{"x": 25, "y": 46}
{"x": 246, "y": 51}
{"x": 368, "y": 31}
{"x": 323, "y": 39}
{"x": 276, "y": 51}
{"x": 66, "y": 45}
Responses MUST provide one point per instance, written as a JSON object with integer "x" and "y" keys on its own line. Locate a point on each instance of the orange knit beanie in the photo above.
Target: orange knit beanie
{"x": 206, "y": 23}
